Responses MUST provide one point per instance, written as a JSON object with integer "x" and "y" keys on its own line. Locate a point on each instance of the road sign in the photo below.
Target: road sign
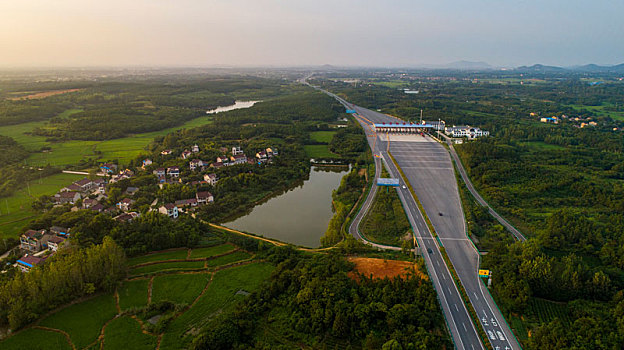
{"x": 350, "y": 111}
{"x": 484, "y": 273}
{"x": 383, "y": 181}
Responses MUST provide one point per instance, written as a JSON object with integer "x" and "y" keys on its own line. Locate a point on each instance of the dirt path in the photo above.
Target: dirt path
{"x": 149, "y": 290}
{"x": 69, "y": 341}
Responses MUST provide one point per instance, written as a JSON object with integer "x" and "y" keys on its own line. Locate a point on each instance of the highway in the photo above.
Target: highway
{"x": 429, "y": 169}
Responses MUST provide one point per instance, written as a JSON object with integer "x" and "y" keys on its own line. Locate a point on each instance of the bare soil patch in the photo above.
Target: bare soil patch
{"x": 380, "y": 268}
{"x": 44, "y": 94}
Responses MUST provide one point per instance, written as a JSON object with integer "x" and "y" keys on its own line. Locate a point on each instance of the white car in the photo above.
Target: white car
{"x": 404, "y": 187}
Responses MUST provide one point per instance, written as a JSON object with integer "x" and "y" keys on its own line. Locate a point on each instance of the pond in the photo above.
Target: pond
{"x": 299, "y": 216}
{"x": 236, "y": 105}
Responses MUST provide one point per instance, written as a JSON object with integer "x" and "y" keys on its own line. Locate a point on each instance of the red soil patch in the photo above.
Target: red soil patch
{"x": 380, "y": 268}
{"x": 44, "y": 94}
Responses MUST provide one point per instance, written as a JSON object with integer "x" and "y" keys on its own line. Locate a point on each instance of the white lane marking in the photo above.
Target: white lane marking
{"x": 500, "y": 335}
{"x": 456, "y": 307}
{"x": 464, "y": 325}
{"x": 438, "y": 262}
{"x": 475, "y": 294}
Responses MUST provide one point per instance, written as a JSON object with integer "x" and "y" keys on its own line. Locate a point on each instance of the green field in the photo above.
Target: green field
{"x": 171, "y": 266}
{"x": 180, "y": 289}
{"x": 211, "y": 251}
{"x": 83, "y": 321}
{"x": 36, "y": 339}
{"x": 319, "y": 151}
{"x": 541, "y": 145}
{"x": 546, "y": 311}
{"x": 171, "y": 255}
{"x": 322, "y": 136}
{"x": 221, "y": 296}
{"x": 133, "y": 294}
{"x": 16, "y": 209}
{"x": 601, "y": 111}
{"x": 228, "y": 259}
{"x": 125, "y": 333}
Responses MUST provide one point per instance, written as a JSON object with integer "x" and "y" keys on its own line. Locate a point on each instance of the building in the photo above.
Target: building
{"x": 261, "y": 156}
{"x": 108, "y": 168}
{"x": 88, "y": 203}
{"x": 125, "y": 204}
{"x": 132, "y": 190}
{"x": 204, "y": 197}
{"x": 66, "y": 197}
{"x": 127, "y": 217}
{"x": 34, "y": 241}
{"x": 192, "y": 202}
{"x": 211, "y": 178}
{"x": 169, "y": 209}
{"x": 402, "y": 128}
{"x": 466, "y": 131}
{"x": 438, "y": 125}
{"x": 160, "y": 172}
{"x": 271, "y": 152}
{"x": 196, "y": 163}
{"x": 59, "y": 231}
{"x": 173, "y": 171}
{"x": 225, "y": 160}
{"x": 195, "y": 148}
{"x": 552, "y": 119}
{"x": 28, "y": 262}
{"x": 238, "y": 159}
{"x": 166, "y": 152}
{"x": 147, "y": 162}
{"x": 186, "y": 154}
{"x": 236, "y": 151}
{"x": 217, "y": 165}
{"x": 55, "y": 243}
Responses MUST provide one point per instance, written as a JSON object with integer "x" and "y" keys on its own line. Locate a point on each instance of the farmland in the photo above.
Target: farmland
{"x": 319, "y": 151}
{"x": 107, "y": 322}
{"x": 322, "y": 136}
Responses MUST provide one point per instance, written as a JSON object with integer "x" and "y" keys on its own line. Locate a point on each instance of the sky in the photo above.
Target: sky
{"x": 383, "y": 33}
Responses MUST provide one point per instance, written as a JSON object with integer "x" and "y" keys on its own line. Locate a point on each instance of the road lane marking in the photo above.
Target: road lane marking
{"x": 475, "y": 294}
{"x": 456, "y": 308}
{"x": 464, "y": 325}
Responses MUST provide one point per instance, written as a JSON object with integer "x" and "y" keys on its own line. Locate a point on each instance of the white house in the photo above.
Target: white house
{"x": 236, "y": 151}
{"x": 211, "y": 178}
{"x": 466, "y": 131}
{"x": 204, "y": 197}
{"x": 169, "y": 209}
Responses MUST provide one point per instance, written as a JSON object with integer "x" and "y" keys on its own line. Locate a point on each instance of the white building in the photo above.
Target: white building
{"x": 469, "y": 132}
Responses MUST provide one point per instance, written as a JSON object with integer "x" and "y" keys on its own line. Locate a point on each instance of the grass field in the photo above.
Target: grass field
{"x": 36, "y": 339}
{"x": 221, "y": 296}
{"x": 133, "y": 294}
{"x": 542, "y": 145}
{"x": 171, "y": 255}
{"x": 228, "y": 259}
{"x": 319, "y": 151}
{"x": 125, "y": 333}
{"x": 601, "y": 111}
{"x": 171, "y": 266}
{"x": 322, "y": 136}
{"x": 211, "y": 251}
{"x": 16, "y": 209}
{"x": 83, "y": 321}
{"x": 546, "y": 311}
{"x": 180, "y": 289}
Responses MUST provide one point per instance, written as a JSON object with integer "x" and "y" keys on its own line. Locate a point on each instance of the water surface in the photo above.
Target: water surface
{"x": 299, "y": 216}
{"x": 236, "y": 105}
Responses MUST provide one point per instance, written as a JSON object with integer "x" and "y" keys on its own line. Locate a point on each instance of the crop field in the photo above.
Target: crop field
{"x": 228, "y": 259}
{"x": 125, "y": 333}
{"x": 16, "y": 209}
{"x": 133, "y": 294}
{"x": 39, "y": 339}
{"x": 167, "y": 266}
{"x": 546, "y": 311}
{"x": 319, "y": 151}
{"x": 221, "y": 295}
{"x": 211, "y": 251}
{"x": 171, "y": 255}
{"x": 180, "y": 289}
{"x": 322, "y": 136}
{"x": 83, "y": 321}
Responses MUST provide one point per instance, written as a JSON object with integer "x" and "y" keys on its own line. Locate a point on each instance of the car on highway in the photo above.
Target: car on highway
{"x": 440, "y": 214}
{"x": 404, "y": 187}
{"x": 429, "y": 251}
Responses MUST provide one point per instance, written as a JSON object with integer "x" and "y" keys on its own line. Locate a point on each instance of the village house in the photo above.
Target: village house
{"x": 127, "y": 217}
{"x": 238, "y": 159}
{"x": 196, "y": 163}
{"x": 108, "y": 168}
{"x": 211, "y": 178}
{"x": 66, "y": 197}
{"x": 216, "y": 165}
{"x": 195, "y": 148}
{"x": 85, "y": 185}
{"x": 126, "y": 174}
{"x": 199, "y": 183}
{"x": 169, "y": 209}
{"x": 466, "y": 131}
{"x": 98, "y": 207}
{"x": 271, "y": 152}
{"x": 28, "y": 262}
{"x": 225, "y": 160}
{"x": 132, "y": 190}
{"x": 204, "y": 197}
{"x": 192, "y": 202}
{"x": 236, "y": 151}
{"x": 88, "y": 203}
{"x": 166, "y": 152}
{"x": 261, "y": 156}
{"x": 55, "y": 243}
{"x": 159, "y": 172}
{"x": 186, "y": 154}
{"x": 100, "y": 185}
{"x": 125, "y": 204}
{"x": 70, "y": 188}
{"x": 552, "y": 119}
{"x": 147, "y": 162}
{"x": 59, "y": 231}
{"x": 173, "y": 171}
{"x": 34, "y": 241}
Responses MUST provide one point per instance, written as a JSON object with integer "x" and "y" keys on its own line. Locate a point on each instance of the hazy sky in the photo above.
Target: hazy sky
{"x": 302, "y": 32}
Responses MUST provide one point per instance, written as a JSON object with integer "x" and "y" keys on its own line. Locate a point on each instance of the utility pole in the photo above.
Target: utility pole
{"x": 421, "y": 115}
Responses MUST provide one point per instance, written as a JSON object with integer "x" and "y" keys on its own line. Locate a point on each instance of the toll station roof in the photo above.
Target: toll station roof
{"x": 402, "y": 125}
{"x": 383, "y": 181}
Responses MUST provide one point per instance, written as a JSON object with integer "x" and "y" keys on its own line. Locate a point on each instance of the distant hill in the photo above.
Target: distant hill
{"x": 540, "y": 68}
{"x": 594, "y": 68}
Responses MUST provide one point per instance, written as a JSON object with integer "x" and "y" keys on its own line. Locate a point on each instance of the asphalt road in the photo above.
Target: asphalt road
{"x": 428, "y": 168}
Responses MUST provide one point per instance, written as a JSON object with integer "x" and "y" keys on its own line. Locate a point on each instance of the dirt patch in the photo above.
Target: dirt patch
{"x": 380, "y": 268}
{"x": 44, "y": 94}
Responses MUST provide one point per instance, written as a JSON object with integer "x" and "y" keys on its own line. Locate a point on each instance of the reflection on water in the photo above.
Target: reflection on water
{"x": 236, "y": 105}
{"x": 299, "y": 216}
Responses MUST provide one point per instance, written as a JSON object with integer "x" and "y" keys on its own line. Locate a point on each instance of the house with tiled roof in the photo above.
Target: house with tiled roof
{"x": 169, "y": 209}
{"x": 34, "y": 240}
{"x": 66, "y": 197}
{"x": 238, "y": 159}
{"x": 196, "y": 163}
{"x": 55, "y": 243}
{"x": 173, "y": 171}
{"x": 125, "y": 204}
{"x": 204, "y": 197}
{"x": 27, "y": 262}
{"x": 186, "y": 154}
{"x": 211, "y": 178}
